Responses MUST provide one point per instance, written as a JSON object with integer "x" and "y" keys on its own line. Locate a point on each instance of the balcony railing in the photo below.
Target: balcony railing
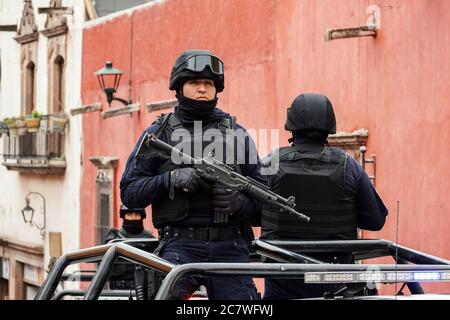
{"x": 40, "y": 152}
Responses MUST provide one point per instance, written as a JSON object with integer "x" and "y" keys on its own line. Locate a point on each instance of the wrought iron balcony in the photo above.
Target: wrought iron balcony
{"x": 40, "y": 152}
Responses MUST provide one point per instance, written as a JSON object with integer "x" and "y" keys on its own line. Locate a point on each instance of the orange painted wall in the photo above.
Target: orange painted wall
{"x": 396, "y": 85}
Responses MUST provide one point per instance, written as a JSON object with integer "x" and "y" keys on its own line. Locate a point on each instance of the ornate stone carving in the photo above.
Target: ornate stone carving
{"x": 105, "y": 162}
{"x": 28, "y": 31}
{"x": 349, "y": 141}
{"x": 56, "y": 23}
{"x": 55, "y": 19}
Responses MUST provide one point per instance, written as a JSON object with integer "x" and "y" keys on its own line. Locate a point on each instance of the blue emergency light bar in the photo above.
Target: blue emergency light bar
{"x": 377, "y": 276}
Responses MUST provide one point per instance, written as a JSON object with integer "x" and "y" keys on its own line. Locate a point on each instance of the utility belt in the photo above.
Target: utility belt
{"x": 201, "y": 233}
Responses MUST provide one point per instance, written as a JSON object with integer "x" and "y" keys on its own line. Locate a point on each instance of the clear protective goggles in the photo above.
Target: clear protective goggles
{"x": 198, "y": 63}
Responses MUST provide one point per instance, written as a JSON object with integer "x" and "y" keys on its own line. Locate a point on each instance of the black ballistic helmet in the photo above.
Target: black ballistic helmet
{"x": 124, "y": 209}
{"x": 311, "y": 112}
{"x": 197, "y": 64}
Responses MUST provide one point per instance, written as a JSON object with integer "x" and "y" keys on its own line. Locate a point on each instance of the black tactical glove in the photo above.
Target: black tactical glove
{"x": 186, "y": 179}
{"x": 226, "y": 202}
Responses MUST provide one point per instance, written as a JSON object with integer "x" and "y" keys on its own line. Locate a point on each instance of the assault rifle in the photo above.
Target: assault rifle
{"x": 226, "y": 176}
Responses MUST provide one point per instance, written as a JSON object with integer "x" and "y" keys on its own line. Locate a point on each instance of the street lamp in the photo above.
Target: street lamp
{"x": 28, "y": 213}
{"x": 109, "y": 79}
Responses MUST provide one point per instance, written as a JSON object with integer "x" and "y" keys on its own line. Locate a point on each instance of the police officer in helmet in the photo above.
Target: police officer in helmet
{"x": 123, "y": 274}
{"x": 197, "y": 220}
{"x": 328, "y": 185}
{"x": 132, "y": 225}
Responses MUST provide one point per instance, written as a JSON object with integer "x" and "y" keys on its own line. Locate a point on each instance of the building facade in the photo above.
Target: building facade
{"x": 390, "y": 89}
{"x": 41, "y": 145}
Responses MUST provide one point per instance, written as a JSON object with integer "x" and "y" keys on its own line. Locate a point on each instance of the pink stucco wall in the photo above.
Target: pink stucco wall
{"x": 396, "y": 85}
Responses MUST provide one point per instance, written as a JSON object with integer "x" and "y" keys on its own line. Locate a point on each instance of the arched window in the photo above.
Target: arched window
{"x": 58, "y": 79}
{"x": 29, "y": 87}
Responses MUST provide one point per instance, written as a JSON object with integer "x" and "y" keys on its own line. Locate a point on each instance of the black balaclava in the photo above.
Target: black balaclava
{"x": 190, "y": 110}
{"x": 133, "y": 226}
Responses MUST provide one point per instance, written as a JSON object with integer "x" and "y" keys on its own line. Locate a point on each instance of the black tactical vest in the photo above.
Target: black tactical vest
{"x": 318, "y": 183}
{"x": 166, "y": 211}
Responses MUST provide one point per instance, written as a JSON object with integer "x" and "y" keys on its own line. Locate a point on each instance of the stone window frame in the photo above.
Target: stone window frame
{"x": 27, "y": 37}
{"x": 56, "y": 76}
{"x": 56, "y": 30}
{"x": 28, "y": 56}
{"x": 105, "y": 182}
{"x": 29, "y": 82}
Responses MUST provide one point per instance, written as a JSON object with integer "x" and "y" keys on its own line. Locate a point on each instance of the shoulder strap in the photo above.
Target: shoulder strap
{"x": 276, "y": 155}
{"x": 174, "y": 122}
{"x": 163, "y": 120}
{"x": 233, "y": 122}
{"x": 294, "y": 153}
{"x": 118, "y": 234}
{"x": 287, "y": 153}
{"x": 328, "y": 155}
{"x": 338, "y": 156}
{"x": 227, "y": 123}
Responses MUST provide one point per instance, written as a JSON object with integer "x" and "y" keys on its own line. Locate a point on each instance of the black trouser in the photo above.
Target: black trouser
{"x": 180, "y": 250}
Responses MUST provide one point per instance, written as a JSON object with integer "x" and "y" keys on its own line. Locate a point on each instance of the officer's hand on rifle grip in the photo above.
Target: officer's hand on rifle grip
{"x": 227, "y": 201}
{"x": 186, "y": 179}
